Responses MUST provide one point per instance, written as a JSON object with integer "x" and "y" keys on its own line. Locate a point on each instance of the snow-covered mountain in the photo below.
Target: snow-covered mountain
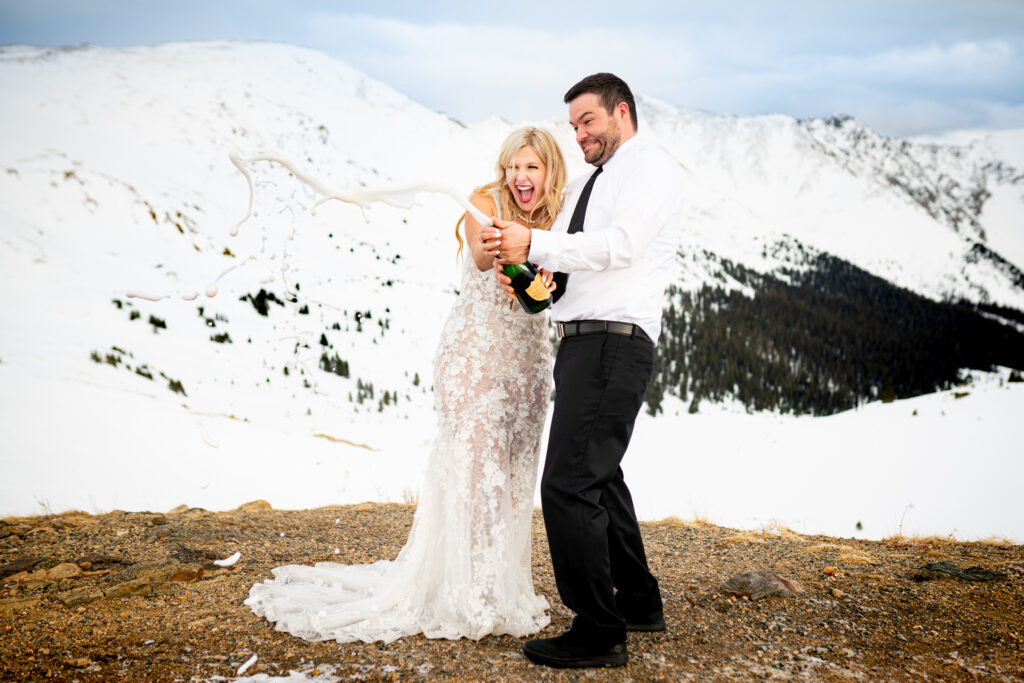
{"x": 115, "y": 179}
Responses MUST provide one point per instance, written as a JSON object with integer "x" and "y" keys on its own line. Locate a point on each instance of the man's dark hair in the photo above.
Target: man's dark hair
{"x": 609, "y": 88}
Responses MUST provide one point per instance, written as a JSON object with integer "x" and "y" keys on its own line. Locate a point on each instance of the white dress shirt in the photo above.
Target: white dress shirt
{"x": 621, "y": 263}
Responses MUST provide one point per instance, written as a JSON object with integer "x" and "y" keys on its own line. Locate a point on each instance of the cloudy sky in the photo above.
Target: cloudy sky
{"x": 905, "y": 67}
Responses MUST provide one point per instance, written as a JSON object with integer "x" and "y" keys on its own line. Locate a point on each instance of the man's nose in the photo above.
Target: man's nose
{"x": 581, "y": 134}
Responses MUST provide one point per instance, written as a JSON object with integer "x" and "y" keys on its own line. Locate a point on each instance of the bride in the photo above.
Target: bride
{"x": 465, "y": 568}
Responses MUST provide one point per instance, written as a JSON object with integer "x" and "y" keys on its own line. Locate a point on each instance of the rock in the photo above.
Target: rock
{"x": 65, "y": 570}
{"x": 760, "y": 584}
{"x": 830, "y": 571}
{"x": 157, "y": 572}
{"x": 150, "y": 520}
{"x": 10, "y": 604}
{"x": 836, "y": 593}
{"x": 187, "y": 572}
{"x": 189, "y": 555}
{"x": 255, "y": 506}
{"x": 199, "y": 623}
{"x": 128, "y": 588}
{"x": 79, "y": 596}
{"x": 79, "y": 662}
{"x": 32, "y": 580}
{"x": 944, "y": 569}
{"x": 23, "y": 565}
{"x": 97, "y": 561}
{"x": 169, "y": 570}
{"x": 178, "y": 509}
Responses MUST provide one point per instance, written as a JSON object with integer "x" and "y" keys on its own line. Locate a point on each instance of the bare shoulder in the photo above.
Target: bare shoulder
{"x": 484, "y": 202}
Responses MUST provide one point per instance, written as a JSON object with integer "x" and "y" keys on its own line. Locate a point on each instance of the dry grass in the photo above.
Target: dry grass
{"x": 335, "y": 439}
{"x": 844, "y": 553}
{"x": 919, "y": 540}
{"x": 696, "y": 523}
{"x": 746, "y": 537}
{"x": 780, "y": 530}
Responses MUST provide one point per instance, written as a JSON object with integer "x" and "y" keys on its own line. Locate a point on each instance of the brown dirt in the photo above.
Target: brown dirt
{"x": 860, "y": 614}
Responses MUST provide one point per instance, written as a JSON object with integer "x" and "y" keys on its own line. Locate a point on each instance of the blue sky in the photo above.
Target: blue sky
{"x": 905, "y": 67}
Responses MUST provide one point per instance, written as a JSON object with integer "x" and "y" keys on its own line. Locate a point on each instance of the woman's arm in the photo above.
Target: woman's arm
{"x": 483, "y": 254}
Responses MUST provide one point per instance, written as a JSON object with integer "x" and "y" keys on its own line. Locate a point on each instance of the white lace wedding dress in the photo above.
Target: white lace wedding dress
{"x": 465, "y": 569}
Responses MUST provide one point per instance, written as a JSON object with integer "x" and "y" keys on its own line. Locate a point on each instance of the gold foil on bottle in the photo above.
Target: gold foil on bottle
{"x": 537, "y": 291}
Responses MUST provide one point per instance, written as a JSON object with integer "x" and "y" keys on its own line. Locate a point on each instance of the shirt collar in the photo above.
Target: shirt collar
{"x": 617, "y": 155}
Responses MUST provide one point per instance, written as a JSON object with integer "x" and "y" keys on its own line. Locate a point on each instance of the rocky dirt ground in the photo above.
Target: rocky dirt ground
{"x": 136, "y": 596}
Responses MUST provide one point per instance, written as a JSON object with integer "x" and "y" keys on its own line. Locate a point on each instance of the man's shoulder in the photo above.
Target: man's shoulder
{"x": 652, "y": 151}
{"x": 649, "y": 162}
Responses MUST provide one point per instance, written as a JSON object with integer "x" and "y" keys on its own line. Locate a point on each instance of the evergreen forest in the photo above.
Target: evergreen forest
{"x": 821, "y": 339}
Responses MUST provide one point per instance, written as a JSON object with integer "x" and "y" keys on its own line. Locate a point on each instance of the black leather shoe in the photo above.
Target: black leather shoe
{"x": 656, "y": 623}
{"x": 566, "y": 651}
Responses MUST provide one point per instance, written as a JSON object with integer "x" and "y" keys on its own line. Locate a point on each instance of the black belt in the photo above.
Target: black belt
{"x": 575, "y": 327}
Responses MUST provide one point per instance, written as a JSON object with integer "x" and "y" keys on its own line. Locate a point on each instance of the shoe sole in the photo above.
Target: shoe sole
{"x": 600, "y": 661}
{"x": 646, "y": 628}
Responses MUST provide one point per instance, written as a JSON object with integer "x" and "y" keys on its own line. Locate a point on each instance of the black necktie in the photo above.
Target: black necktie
{"x": 575, "y": 225}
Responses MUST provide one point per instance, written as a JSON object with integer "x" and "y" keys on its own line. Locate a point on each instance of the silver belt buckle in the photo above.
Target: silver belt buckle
{"x": 561, "y": 330}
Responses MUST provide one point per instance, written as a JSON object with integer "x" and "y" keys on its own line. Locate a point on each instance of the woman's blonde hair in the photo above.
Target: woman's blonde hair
{"x": 543, "y": 143}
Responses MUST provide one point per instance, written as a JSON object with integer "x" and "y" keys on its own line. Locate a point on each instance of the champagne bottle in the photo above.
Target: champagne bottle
{"x": 528, "y": 284}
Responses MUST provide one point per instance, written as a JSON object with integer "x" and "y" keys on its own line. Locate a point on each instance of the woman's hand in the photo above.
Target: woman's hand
{"x": 504, "y": 281}
{"x": 490, "y": 241}
{"x": 549, "y": 279}
{"x": 484, "y": 250}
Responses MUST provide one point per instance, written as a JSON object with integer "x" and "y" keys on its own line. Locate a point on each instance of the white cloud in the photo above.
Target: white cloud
{"x": 474, "y": 71}
{"x": 909, "y": 66}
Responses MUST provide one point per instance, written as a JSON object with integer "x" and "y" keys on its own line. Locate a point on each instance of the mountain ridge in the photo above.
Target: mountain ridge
{"x": 120, "y": 156}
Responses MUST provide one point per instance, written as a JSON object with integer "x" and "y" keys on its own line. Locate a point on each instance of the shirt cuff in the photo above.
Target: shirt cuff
{"x": 540, "y": 247}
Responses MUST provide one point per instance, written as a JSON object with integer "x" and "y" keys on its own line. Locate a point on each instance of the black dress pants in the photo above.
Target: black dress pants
{"x": 598, "y": 555}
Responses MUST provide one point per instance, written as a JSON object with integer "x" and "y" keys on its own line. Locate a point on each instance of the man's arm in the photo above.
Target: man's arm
{"x": 640, "y": 214}
{"x": 644, "y": 203}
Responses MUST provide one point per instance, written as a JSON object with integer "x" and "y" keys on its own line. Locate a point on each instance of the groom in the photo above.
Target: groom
{"x": 612, "y": 249}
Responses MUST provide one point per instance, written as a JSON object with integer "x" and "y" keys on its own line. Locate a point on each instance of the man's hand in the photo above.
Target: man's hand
{"x": 514, "y": 240}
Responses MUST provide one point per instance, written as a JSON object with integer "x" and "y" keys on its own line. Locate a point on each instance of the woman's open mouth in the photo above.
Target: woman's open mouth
{"x": 524, "y": 193}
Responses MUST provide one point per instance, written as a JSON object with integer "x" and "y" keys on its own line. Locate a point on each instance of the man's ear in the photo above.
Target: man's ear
{"x": 622, "y": 109}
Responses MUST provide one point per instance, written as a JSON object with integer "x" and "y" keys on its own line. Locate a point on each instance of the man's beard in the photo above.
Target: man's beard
{"x": 608, "y": 143}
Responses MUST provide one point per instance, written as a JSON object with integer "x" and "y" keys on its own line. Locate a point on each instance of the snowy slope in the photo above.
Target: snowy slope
{"x": 115, "y": 178}
{"x": 840, "y": 187}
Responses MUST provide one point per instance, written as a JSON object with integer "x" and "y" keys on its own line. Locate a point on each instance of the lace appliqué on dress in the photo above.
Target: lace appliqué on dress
{"x": 465, "y": 570}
